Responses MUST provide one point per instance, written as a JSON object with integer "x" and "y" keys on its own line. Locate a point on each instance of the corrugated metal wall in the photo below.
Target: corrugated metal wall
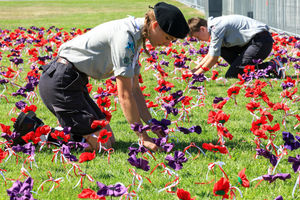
{"x": 279, "y": 14}
{"x": 201, "y": 5}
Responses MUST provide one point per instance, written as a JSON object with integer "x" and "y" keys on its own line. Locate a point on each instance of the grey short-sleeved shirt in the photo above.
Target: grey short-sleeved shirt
{"x": 110, "y": 49}
{"x": 232, "y": 30}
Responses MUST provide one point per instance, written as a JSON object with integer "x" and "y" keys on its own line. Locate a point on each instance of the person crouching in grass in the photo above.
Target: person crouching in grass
{"x": 239, "y": 40}
{"x": 110, "y": 49}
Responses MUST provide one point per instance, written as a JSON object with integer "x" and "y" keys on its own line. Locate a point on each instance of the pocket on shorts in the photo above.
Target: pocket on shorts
{"x": 71, "y": 79}
{"x": 79, "y": 121}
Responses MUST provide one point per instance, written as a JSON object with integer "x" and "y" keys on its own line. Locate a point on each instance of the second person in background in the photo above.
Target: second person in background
{"x": 239, "y": 40}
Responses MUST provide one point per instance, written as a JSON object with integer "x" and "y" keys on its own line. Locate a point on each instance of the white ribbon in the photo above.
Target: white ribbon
{"x": 10, "y": 153}
{"x": 31, "y": 160}
{"x": 212, "y": 165}
{"x": 297, "y": 182}
{"x": 1, "y": 173}
{"x": 82, "y": 175}
{"x": 190, "y": 155}
{"x": 53, "y": 183}
{"x": 170, "y": 173}
{"x": 138, "y": 177}
{"x": 131, "y": 195}
{"x": 74, "y": 165}
{"x": 24, "y": 170}
{"x": 237, "y": 190}
{"x": 255, "y": 179}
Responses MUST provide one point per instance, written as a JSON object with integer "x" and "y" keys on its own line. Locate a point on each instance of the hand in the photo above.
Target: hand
{"x": 159, "y": 133}
{"x": 148, "y": 142}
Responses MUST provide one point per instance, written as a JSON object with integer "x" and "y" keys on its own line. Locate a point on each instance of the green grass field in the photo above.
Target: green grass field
{"x": 87, "y": 14}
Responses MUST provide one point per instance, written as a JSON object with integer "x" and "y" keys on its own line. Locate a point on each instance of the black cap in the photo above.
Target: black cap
{"x": 171, "y": 20}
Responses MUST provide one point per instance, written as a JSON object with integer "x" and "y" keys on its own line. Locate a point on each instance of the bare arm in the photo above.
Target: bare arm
{"x": 140, "y": 100}
{"x": 141, "y": 103}
{"x": 127, "y": 100}
{"x": 130, "y": 108}
{"x": 208, "y": 62}
{"x": 200, "y": 64}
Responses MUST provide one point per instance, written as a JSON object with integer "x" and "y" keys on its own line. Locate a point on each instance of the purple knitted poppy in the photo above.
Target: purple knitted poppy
{"x": 111, "y": 190}
{"x": 176, "y": 161}
{"x": 21, "y": 191}
{"x": 272, "y": 178}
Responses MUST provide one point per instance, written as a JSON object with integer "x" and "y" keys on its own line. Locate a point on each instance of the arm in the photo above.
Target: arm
{"x": 127, "y": 100}
{"x": 130, "y": 108}
{"x": 140, "y": 100}
{"x": 142, "y": 107}
{"x": 208, "y": 63}
{"x": 200, "y": 64}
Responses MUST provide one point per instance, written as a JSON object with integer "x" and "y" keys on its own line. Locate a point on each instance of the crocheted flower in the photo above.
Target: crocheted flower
{"x": 221, "y": 188}
{"x": 176, "y": 161}
{"x": 111, "y": 190}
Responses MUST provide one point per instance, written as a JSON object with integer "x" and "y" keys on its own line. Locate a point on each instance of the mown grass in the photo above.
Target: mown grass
{"x": 71, "y": 13}
{"x": 87, "y": 14}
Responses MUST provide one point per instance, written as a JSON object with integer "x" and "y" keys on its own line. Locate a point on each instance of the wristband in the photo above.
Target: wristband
{"x": 205, "y": 68}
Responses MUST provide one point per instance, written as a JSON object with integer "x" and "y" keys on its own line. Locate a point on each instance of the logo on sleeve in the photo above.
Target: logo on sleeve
{"x": 130, "y": 46}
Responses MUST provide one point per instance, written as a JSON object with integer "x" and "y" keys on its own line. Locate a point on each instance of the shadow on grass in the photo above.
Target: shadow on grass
{"x": 122, "y": 146}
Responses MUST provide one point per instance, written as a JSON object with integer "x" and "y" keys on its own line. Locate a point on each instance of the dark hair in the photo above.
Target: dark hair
{"x": 195, "y": 23}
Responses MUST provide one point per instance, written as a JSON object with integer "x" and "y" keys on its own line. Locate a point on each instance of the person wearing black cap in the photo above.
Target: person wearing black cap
{"x": 110, "y": 49}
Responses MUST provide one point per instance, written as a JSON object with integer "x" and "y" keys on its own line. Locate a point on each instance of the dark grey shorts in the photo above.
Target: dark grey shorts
{"x": 64, "y": 92}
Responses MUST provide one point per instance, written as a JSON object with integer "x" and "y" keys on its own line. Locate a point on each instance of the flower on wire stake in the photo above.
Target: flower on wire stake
{"x": 162, "y": 143}
{"x": 3, "y": 154}
{"x": 85, "y": 157}
{"x": 88, "y": 193}
{"x": 111, "y": 190}
{"x": 271, "y": 178}
{"x": 221, "y": 188}
{"x": 103, "y": 138}
{"x": 184, "y": 195}
{"x": 242, "y": 179}
{"x": 216, "y": 148}
{"x": 176, "y": 161}
{"x": 104, "y": 135}
{"x": 21, "y": 190}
